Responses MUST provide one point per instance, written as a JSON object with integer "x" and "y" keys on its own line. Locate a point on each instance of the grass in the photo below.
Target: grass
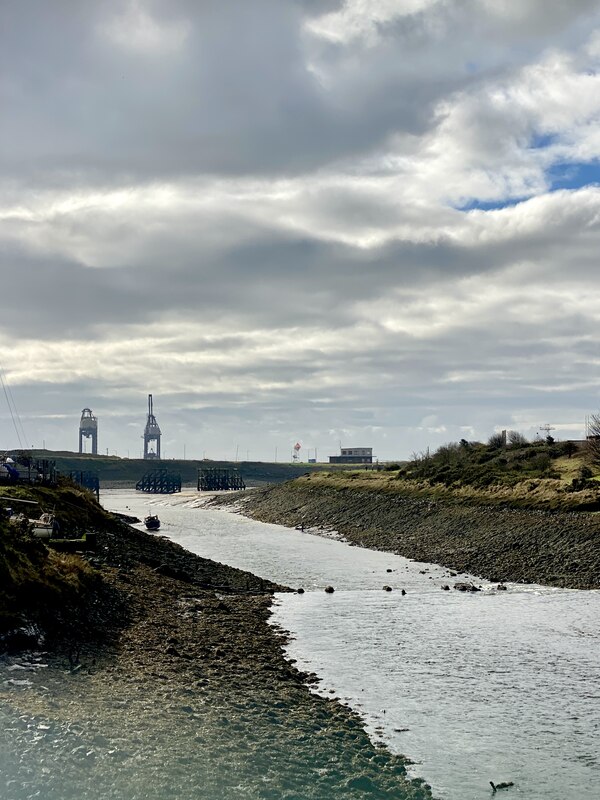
{"x": 35, "y": 581}
{"x": 529, "y": 475}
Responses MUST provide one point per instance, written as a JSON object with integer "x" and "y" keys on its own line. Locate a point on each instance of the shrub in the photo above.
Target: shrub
{"x": 517, "y": 439}
{"x": 496, "y": 441}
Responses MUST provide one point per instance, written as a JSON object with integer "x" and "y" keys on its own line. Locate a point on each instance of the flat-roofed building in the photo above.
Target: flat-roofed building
{"x": 353, "y": 455}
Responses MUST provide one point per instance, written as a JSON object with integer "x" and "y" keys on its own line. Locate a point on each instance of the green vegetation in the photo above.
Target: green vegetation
{"x": 38, "y": 584}
{"x": 479, "y": 465}
{"x": 544, "y": 474}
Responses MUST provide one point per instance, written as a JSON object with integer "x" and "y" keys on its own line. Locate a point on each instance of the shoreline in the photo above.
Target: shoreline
{"x": 188, "y": 693}
{"x": 498, "y": 543}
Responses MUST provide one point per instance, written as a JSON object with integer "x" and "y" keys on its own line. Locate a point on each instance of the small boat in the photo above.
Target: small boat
{"x": 44, "y": 527}
{"x": 152, "y": 522}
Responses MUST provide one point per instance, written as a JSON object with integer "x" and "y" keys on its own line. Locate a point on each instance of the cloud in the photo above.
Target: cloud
{"x": 276, "y": 217}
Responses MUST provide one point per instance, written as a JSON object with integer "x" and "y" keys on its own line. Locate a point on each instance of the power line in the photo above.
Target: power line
{"x": 14, "y": 414}
{"x": 14, "y": 405}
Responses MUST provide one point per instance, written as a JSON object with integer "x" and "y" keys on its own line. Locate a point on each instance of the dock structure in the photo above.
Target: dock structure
{"x": 87, "y": 479}
{"x": 217, "y": 479}
{"x": 159, "y": 481}
{"x": 26, "y": 470}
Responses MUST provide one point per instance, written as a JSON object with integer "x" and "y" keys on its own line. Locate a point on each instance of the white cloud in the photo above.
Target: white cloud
{"x": 364, "y": 18}
{"x": 187, "y": 211}
{"x": 134, "y": 28}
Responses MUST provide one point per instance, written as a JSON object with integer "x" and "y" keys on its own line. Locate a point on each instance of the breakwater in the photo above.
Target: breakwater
{"x": 499, "y": 543}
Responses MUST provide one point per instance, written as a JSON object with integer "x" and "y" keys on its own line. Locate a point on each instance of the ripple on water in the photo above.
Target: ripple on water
{"x": 477, "y": 687}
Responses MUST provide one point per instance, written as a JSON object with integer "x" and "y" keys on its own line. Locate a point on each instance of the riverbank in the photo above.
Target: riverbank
{"x": 497, "y": 542}
{"x": 173, "y": 684}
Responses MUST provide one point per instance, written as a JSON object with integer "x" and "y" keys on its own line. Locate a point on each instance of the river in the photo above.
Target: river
{"x": 478, "y": 687}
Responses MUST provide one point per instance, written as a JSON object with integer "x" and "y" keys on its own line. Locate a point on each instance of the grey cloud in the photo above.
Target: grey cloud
{"x": 236, "y": 97}
{"x": 318, "y": 7}
{"x": 269, "y": 282}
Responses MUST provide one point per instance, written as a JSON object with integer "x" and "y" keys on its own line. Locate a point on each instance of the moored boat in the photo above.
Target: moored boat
{"x": 45, "y": 527}
{"x": 152, "y": 522}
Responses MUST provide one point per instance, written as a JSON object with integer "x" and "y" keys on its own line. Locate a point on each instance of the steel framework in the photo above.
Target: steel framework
{"x": 88, "y": 429}
{"x": 159, "y": 481}
{"x": 151, "y": 434}
{"x": 216, "y": 479}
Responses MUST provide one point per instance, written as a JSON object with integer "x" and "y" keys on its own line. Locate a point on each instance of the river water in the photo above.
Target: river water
{"x": 490, "y": 686}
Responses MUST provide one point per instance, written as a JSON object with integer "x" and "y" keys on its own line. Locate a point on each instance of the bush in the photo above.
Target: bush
{"x": 496, "y": 441}
{"x": 568, "y": 448}
{"x": 517, "y": 439}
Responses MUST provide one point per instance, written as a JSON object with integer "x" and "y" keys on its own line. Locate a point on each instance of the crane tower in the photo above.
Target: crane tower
{"x": 88, "y": 429}
{"x": 151, "y": 434}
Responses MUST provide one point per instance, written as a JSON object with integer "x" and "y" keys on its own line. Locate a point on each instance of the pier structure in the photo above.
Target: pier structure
{"x": 159, "y": 481}
{"x": 217, "y": 479}
{"x": 87, "y": 479}
{"x": 151, "y": 434}
{"x": 88, "y": 429}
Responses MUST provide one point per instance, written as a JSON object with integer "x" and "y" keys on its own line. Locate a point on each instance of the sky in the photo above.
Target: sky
{"x": 367, "y": 223}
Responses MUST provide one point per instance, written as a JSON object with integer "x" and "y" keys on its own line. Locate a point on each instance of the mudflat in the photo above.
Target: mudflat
{"x": 500, "y": 543}
{"x": 172, "y": 684}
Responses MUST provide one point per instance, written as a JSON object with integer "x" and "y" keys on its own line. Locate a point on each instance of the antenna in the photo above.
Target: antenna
{"x": 547, "y": 428}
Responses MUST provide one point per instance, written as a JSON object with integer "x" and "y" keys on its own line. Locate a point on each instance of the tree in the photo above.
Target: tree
{"x": 592, "y": 444}
{"x": 569, "y": 448}
{"x": 517, "y": 439}
{"x": 496, "y": 441}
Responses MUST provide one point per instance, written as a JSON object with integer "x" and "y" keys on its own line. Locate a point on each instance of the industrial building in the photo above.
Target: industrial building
{"x": 353, "y": 455}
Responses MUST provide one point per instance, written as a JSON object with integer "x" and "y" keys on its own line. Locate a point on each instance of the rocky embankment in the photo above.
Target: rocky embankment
{"x": 171, "y": 683}
{"x": 497, "y": 542}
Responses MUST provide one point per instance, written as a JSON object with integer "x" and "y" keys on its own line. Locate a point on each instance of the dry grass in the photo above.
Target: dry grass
{"x": 532, "y": 492}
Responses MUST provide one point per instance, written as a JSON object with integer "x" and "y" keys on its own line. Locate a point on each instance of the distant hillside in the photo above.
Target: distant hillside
{"x": 112, "y": 469}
